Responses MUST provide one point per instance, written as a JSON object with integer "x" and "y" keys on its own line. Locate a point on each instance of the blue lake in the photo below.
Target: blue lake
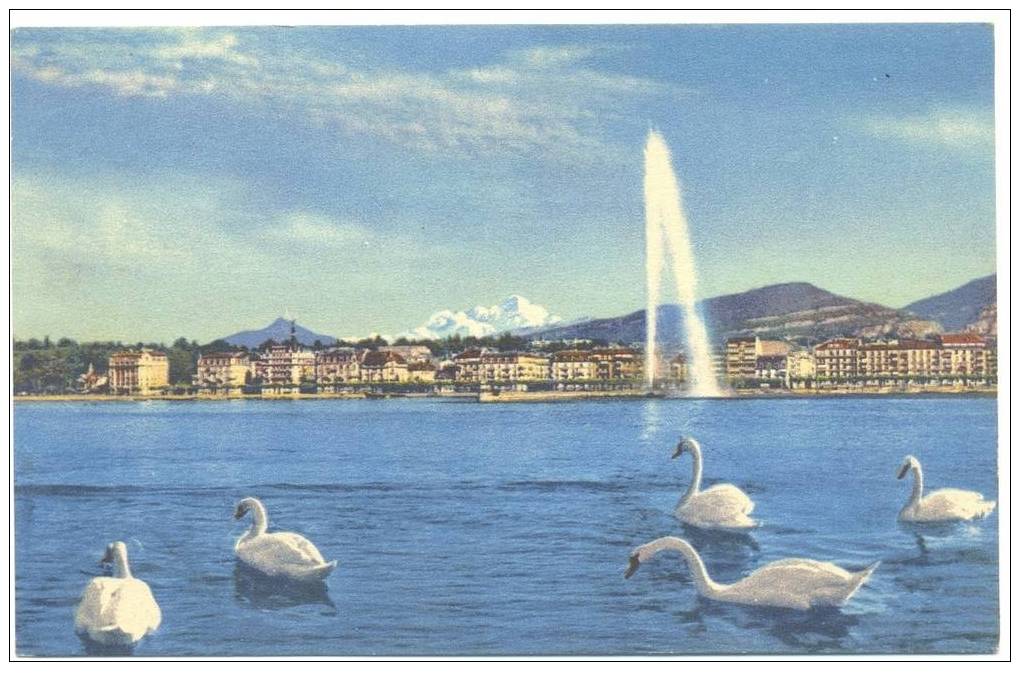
{"x": 481, "y": 529}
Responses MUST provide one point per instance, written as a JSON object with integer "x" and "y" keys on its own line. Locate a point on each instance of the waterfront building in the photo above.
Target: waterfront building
{"x": 138, "y": 371}
{"x": 618, "y": 364}
{"x": 967, "y": 354}
{"x": 468, "y": 365}
{"x": 383, "y": 366}
{"x": 421, "y": 372}
{"x": 836, "y": 359}
{"x": 898, "y": 359}
{"x": 286, "y": 365}
{"x": 770, "y": 367}
{"x": 512, "y": 367}
{"x": 337, "y": 366}
{"x": 226, "y": 370}
{"x": 800, "y": 367}
{"x": 573, "y": 365}
{"x": 446, "y": 372}
{"x": 741, "y": 354}
{"x": 718, "y": 363}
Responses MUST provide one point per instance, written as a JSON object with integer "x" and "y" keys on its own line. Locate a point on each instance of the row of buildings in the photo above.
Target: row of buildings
{"x": 953, "y": 356}
{"x": 288, "y": 367}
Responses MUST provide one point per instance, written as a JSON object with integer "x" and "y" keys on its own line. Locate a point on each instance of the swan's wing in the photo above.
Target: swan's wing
{"x": 135, "y": 607}
{"x": 718, "y": 504}
{"x": 797, "y": 582}
{"x": 126, "y": 604}
{"x": 279, "y": 552}
{"x": 731, "y": 496}
{"x": 953, "y": 501}
{"x": 94, "y": 601}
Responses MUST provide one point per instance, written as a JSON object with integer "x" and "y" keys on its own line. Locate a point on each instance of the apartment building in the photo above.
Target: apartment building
{"x": 337, "y": 366}
{"x": 618, "y": 364}
{"x": 224, "y": 370}
{"x": 513, "y": 367}
{"x": 384, "y": 366}
{"x": 836, "y": 359}
{"x": 573, "y": 365}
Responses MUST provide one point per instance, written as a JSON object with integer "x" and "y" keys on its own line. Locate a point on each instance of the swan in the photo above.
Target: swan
{"x": 942, "y": 505}
{"x": 720, "y": 507}
{"x": 116, "y": 611}
{"x": 277, "y": 554}
{"x": 796, "y": 583}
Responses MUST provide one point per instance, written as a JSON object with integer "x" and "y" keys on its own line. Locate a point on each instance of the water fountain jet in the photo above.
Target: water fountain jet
{"x": 666, "y": 226}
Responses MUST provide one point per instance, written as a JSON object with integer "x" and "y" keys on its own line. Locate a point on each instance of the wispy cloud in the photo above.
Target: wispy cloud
{"x": 113, "y": 248}
{"x": 952, "y": 129}
{"x": 545, "y": 99}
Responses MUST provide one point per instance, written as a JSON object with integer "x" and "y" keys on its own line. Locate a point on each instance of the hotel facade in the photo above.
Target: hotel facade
{"x": 138, "y": 371}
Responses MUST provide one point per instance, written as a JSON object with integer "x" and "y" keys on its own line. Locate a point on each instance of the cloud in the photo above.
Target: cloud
{"x": 544, "y": 100}
{"x": 317, "y": 231}
{"x": 192, "y": 45}
{"x": 142, "y": 230}
{"x": 960, "y": 129}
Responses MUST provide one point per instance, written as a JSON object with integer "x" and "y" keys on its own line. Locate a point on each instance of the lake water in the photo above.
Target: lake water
{"x": 481, "y": 529}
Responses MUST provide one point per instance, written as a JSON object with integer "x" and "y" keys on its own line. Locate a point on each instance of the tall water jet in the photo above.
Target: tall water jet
{"x": 665, "y": 222}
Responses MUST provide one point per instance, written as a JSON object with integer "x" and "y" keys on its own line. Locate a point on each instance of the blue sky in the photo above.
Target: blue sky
{"x": 199, "y": 181}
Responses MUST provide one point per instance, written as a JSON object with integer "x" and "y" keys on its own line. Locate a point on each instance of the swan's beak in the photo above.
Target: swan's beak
{"x": 635, "y": 563}
{"x": 679, "y": 450}
{"x": 107, "y": 557}
{"x": 903, "y": 471}
{"x": 239, "y": 512}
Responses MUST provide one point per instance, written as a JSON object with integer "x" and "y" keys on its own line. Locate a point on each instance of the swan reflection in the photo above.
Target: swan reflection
{"x": 255, "y": 590}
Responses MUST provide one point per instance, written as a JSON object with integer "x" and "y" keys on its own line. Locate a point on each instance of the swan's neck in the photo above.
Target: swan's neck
{"x": 120, "y": 565}
{"x": 706, "y": 587}
{"x": 918, "y": 491}
{"x": 259, "y": 521}
{"x": 695, "y": 475}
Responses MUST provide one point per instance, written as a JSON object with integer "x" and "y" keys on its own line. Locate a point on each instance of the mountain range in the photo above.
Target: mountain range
{"x": 795, "y": 310}
{"x": 513, "y": 314}
{"x": 798, "y": 311}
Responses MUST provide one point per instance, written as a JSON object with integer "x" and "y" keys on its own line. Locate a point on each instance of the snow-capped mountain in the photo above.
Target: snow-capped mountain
{"x": 514, "y": 313}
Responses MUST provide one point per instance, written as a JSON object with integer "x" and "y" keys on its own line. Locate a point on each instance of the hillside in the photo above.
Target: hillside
{"x": 279, "y": 330}
{"x": 959, "y": 308}
{"x": 792, "y": 310}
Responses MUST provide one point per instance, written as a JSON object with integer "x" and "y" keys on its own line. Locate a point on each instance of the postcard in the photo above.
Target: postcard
{"x": 513, "y": 340}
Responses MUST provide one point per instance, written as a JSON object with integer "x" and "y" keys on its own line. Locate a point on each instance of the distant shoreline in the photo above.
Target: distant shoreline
{"x": 510, "y": 396}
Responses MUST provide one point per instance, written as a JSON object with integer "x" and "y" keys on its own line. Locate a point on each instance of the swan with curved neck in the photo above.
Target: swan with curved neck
{"x": 277, "y": 554}
{"x": 720, "y": 507}
{"x": 119, "y": 610}
{"x": 943, "y": 505}
{"x": 797, "y": 583}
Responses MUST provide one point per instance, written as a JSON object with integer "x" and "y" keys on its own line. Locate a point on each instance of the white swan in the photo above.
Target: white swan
{"x": 277, "y": 554}
{"x": 119, "y": 610}
{"x": 722, "y": 506}
{"x": 942, "y": 505}
{"x": 796, "y": 583}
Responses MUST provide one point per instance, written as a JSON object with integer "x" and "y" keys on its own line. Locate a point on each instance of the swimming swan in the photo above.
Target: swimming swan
{"x": 942, "y": 505}
{"x": 722, "y": 506}
{"x": 119, "y": 610}
{"x": 796, "y": 583}
{"x": 277, "y": 554}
